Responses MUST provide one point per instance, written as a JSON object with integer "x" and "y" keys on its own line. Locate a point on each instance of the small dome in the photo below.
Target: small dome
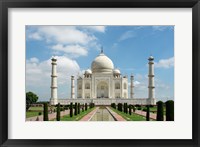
{"x": 88, "y": 72}
{"x": 102, "y": 64}
{"x": 151, "y": 58}
{"x": 116, "y": 71}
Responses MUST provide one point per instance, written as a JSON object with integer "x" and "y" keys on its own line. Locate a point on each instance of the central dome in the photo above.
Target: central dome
{"x": 102, "y": 64}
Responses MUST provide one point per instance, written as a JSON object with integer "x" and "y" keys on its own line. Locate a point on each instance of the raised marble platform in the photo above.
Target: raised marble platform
{"x": 107, "y": 101}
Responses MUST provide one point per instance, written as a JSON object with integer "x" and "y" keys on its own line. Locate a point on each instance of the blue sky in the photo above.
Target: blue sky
{"x": 75, "y": 47}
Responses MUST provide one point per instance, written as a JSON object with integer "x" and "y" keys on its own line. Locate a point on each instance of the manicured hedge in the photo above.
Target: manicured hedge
{"x": 71, "y": 109}
{"x": 159, "y": 111}
{"x": 75, "y": 109}
{"x": 45, "y": 114}
{"x": 58, "y": 112}
{"x": 86, "y": 106}
{"x": 79, "y": 108}
{"x": 169, "y": 110}
{"x": 130, "y": 109}
{"x": 147, "y": 113}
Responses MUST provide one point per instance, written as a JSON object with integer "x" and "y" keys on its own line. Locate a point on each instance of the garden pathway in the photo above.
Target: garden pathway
{"x": 115, "y": 115}
{"x": 143, "y": 113}
{"x": 89, "y": 115}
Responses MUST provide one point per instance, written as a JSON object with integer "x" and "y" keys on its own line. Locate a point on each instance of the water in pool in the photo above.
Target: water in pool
{"x": 102, "y": 114}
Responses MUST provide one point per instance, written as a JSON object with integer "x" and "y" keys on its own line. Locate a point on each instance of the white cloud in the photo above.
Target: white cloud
{"x": 33, "y": 60}
{"x": 73, "y": 50}
{"x": 35, "y": 36}
{"x": 136, "y": 83}
{"x": 60, "y": 34}
{"x": 101, "y": 29}
{"x": 127, "y": 35}
{"x": 38, "y": 75}
{"x": 165, "y": 63}
{"x": 161, "y": 28}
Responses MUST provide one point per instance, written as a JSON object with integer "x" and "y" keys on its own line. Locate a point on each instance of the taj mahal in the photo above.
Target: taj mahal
{"x": 103, "y": 84}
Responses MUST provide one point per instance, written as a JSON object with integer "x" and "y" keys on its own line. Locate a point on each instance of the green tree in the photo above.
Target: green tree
{"x": 147, "y": 113}
{"x": 159, "y": 116}
{"x": 45, "y": 116}
{"x": 71, "y": 109}
{"x": 130, "y": 109}
{"x": 30, "y": 99}
{"x": 76, "y": 109}
{"x": 169, "y": 110}
{"x": 58, "y": 112}
{"x": 86, "y": 106}
{"x": 79, "y": 108}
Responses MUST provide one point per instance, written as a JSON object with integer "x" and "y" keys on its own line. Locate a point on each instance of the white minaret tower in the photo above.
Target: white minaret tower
{"x": 72, "y": 87}
{"x": 54, "y": 96}
{"x": 132, "y": 86}
{"x": 151, "y": 86}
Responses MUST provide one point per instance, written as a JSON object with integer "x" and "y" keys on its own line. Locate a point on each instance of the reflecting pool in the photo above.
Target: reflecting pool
{"x": 102, "y": 114}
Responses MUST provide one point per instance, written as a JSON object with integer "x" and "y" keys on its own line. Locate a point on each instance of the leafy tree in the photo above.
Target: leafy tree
{"x": 76, "y": 109}
{"x": 169, "y": 110}
{"x": 30, "y": 99}
{"x": 159, "y": 116}
{"x": 147, "y": 113}
{"x": 86, "y": 106}
{"x": 79, "y": 108}
{"x": 130, "y": 109}
{"x": 45, "y": 116}
{"x": 58, "y": 112}
{"x": 71, "y": 109}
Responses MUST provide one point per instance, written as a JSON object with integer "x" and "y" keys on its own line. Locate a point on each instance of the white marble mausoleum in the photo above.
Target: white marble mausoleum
{"x": 103, "y": 84}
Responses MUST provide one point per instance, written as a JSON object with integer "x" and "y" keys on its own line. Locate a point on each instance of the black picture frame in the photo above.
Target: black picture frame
{"x": 6, "y": 4}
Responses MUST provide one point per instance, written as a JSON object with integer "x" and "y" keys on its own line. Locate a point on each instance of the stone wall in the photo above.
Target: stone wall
{"x": 106, "y": 101}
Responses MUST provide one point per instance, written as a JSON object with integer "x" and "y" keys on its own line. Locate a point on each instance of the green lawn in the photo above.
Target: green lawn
{"x": 31, "y": 114}
{"x": 35, "y": 109}
{"x": 77, "y": 117}
{"x": 133, "y": 117}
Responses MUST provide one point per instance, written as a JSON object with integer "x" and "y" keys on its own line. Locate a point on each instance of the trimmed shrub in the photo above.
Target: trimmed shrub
{"x": 45, "y": 116}
{"x": 147, "y": 113}
{"x": 86, "y": 106}
{"x": 130, "y": 109}
{"x": 139, "y": 108}
{"x": 79, "y": 108}
{"x": 71, "y": 109}
{"x": 113, "y": 105}
{"x": 40, "y": 113}
{"x": 159, "y": 116}
{"x": 75, "y": 109}
{"x": 124, "y": 108}
{"x": 58, "y": 112}
{"x": 169, "y": 110}
{"x": 120, "y": 106}
{"x": 134, "y": 108}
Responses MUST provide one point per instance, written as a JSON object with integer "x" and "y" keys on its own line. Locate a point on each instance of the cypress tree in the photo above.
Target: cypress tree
{"x": 85, "y": 106}
{"x": 58, "y": 112}
{"x": 45, "y": 113}
{"x": 76, "y": 109}
{"x": 71, "y": 109}
{"x": 79, "y": 108}
{"x": 169, "y": 110}
{"x": 124, "y": 107}
{"x": 159, "y": 116}
{"x": 147, "y": 113}
{"x": 130, "y": 109}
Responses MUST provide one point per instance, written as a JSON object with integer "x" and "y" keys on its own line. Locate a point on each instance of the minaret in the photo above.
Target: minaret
{"x": 132, "y": 86}
{"x": 54, "y": 96}
{"x": 72, "y": 87}
{"x": 151, "y": 86}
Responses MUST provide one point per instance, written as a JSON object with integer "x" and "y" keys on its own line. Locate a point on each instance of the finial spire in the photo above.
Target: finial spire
{"x": 101, "y": 49}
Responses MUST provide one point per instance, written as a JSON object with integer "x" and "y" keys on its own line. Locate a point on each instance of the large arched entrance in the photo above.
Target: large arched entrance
{"x": 102, "y": 90}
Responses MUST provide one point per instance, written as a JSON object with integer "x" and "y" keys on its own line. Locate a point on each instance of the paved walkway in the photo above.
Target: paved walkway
{"x": 115, "y": 115}
{"x": 89, "y": 115}
{"x": 143, "y": 113}
{"x": 51, "y": 116}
